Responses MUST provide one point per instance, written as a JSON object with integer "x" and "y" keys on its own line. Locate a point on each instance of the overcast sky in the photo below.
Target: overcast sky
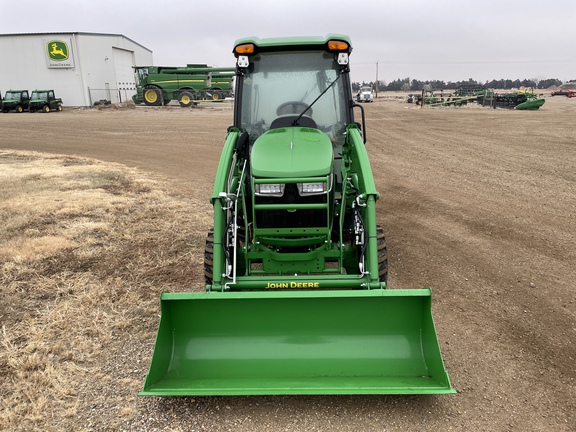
{"x": 449, "y": 40}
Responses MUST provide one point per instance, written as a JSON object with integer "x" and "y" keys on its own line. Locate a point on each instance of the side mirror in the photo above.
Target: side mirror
{"x": 363, "y": 125}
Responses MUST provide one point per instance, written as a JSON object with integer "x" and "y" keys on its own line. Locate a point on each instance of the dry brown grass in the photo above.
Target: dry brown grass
{"x": 85, "y": 249}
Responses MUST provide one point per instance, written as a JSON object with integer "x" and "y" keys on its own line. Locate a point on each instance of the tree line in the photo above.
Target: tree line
{"x": 407, "y": 84}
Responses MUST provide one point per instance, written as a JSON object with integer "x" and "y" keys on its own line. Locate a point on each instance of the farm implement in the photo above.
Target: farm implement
{"x": 521, "y": 100}
{"x": 296, "y": 265}
{"x": 459, "y": 97}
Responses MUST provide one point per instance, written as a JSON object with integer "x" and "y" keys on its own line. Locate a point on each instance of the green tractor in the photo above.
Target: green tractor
{"x": 16, "y": 100}
{"x": 295, "y": 299}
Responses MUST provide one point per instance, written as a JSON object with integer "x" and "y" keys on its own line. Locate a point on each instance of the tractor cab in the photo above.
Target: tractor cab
{"x": 308, "y": 87}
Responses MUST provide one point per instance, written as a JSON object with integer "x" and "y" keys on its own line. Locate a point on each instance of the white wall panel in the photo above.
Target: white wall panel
{"x": 95, "y": 67}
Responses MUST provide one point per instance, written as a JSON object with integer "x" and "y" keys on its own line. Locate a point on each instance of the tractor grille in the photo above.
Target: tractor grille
{"x": 301, "y": 218}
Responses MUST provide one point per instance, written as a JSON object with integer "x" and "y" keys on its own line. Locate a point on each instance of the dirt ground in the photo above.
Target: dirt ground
{"x": 478, "y": 204}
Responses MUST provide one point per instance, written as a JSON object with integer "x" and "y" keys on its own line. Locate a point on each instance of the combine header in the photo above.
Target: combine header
{"x": 523, "y": 99}
{"x": 295, "y": 300}
{"x": 519, "y": 100}
{"x": 461, "y": 96}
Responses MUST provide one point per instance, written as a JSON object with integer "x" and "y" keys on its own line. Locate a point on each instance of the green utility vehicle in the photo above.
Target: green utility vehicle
{"x": 16, "y": 100}
{"x": 44, "y": 100}
{"x": 296, "y": 265}
{"x": 160, "y": 84}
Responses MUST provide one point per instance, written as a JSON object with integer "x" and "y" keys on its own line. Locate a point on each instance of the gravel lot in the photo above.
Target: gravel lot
{"x": 478, "y": 204}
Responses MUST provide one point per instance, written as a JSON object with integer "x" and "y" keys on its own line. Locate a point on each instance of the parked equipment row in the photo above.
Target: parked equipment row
{"x": 39, "y": 100}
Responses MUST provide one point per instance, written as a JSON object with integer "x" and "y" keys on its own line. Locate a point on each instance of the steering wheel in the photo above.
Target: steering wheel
{"x": 293, "y": 107}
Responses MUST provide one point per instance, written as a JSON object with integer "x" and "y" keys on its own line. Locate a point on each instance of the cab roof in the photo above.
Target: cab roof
{"x": 295, "y": 42}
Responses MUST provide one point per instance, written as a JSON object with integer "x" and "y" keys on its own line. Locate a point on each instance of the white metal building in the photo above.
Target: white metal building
{"x": 81, "y": 68}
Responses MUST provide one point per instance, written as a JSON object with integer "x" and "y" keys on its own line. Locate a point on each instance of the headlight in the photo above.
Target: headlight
{"x": 311, "y": 188}
{"x": 270, "y": 189}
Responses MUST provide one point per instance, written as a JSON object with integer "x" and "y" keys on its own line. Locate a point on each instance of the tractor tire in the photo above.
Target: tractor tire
{"x": 19, "y": 108}
{"x": 382, "y": 255}
{"x": 186, "y": 99}
{"x": 216, "y": 95}
{"x": 59, "y": 107}
{"x": 209, "y": 258}
{"x": 46, "y": 108}
{"x": 152, "y": 96}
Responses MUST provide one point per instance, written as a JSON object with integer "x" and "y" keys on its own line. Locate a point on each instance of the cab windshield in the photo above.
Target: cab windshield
{"x": 141, "y": 74}
{"x": 283, "y": 85}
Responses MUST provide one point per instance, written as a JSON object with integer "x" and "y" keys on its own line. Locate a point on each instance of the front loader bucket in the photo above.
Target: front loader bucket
{"x": 305, "y": 342}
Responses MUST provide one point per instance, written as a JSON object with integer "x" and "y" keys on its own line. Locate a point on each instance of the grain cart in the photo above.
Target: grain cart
{"x": 45, "y": 100}
{"x": 295, "y": 266}
{"x": 16, "y": 100}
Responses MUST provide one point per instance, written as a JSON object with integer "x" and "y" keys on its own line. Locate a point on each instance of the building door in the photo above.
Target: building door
{"x": 123, "y": 67}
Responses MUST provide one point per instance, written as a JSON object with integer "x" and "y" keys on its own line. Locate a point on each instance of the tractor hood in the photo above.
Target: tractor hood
{"x": 292, "y": 152}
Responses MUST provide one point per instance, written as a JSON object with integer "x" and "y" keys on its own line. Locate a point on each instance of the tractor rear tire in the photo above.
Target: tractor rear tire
{"x": 19, "y": 108}
{"x": 46, "y": 108}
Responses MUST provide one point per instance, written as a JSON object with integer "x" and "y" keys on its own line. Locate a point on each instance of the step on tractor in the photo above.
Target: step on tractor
{"x": 16, "y": 100}
{"x": 295, "y": 298}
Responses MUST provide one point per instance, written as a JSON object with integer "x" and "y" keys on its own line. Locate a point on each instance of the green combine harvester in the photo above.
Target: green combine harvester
{"x": 158, "y": 85}
{"x": 295, "y": 300}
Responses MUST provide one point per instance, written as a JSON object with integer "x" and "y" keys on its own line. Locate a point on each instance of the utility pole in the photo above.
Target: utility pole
{"x": 376, "y": 80}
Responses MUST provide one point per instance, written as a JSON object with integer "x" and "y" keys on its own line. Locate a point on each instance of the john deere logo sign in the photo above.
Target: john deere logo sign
{"x": 57, "y": 50}
{"x": 58, "y": 53}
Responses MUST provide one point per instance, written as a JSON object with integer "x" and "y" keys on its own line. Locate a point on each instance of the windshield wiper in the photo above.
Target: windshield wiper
{"x": 295, "y": 122}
